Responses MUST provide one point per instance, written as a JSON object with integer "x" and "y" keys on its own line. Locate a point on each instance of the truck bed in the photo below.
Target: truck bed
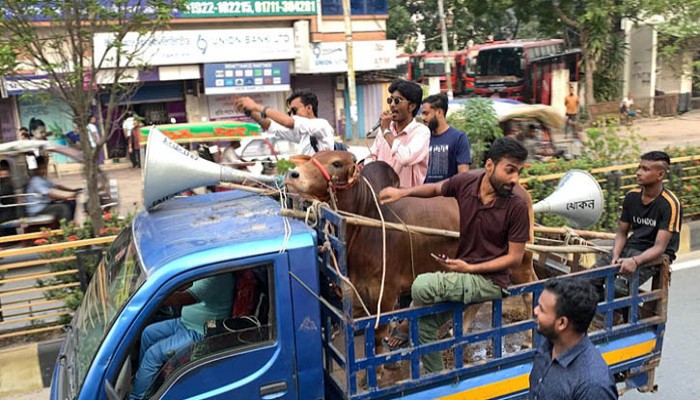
{"x": 488, "y": 361}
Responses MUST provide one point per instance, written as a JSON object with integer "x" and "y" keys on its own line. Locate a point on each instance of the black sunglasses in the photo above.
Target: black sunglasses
{"x": 292, "y": 111}
{"x": 396, "y": 100}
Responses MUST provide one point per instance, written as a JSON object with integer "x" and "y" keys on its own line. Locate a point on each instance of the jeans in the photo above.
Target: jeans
{"x": 159, "y": 342}
{"x": 435, "y": 287}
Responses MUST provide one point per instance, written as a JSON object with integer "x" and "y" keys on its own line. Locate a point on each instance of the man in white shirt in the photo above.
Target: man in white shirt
{"x": 300, "y": 125}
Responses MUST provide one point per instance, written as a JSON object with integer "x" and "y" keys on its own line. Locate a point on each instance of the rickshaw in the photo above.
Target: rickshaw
{"x": 18, "y": 157}
{"x": 539, "y": 127}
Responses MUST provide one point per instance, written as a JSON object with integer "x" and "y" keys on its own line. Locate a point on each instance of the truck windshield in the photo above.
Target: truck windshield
{"x": 505, "y": 62}
{"x": 116, "y": 278}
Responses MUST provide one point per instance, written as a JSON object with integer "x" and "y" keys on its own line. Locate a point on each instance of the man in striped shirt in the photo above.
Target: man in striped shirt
{"x": 654, "y": 215}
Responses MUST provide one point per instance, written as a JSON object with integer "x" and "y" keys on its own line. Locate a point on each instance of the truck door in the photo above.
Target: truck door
{"x": 250, "y": 354}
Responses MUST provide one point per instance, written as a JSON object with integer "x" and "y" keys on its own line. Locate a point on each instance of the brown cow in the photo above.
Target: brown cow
{"x": 364, "y": 243}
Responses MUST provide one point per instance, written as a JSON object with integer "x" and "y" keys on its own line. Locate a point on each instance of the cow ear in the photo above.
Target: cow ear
{"x": 352, "y": 168}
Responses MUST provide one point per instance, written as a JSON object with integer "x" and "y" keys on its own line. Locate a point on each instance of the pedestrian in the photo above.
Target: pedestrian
{"x": 300, "y": 124}
{"x": 494, "y": 227}
{"x": 404, "y": 142}
{"x": 37, "y": 129}
{"x": 449, "y": 152}
{"x": 627, "y": 113}
{"x": 571, "y": 102}
{"x": 654, "y": 215}
{"x": 93, "y": 132}
{"x": 128, "y": 130}
{"x": 567, "y": 365}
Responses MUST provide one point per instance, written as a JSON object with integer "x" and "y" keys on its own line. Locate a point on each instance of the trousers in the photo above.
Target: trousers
{"x": 435, "y": 287}
{"x": 159, "y": 342}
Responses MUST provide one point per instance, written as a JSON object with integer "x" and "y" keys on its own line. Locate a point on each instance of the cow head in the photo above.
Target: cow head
{"x": 327, "y": 169}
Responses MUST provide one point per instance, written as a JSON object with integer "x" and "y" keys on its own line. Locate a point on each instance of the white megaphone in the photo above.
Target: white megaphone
{"x": 171, "y": 169}
{"x": 578, "y": 198}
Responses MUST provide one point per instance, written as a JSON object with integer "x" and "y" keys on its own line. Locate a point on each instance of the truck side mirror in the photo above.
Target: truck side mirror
{"x": 111, "y": 392}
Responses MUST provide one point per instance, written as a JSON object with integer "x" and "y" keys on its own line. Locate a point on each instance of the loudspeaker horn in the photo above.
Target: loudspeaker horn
{"x": 578, "y": 198}
{"x": 170, "y": 169}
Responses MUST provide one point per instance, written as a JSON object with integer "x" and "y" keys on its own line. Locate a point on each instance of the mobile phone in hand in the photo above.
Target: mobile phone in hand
{"x": 439, "y": 257}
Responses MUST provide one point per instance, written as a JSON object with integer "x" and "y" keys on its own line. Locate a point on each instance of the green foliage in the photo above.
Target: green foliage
{"x": 284, "y": 165}
{"x": 607, "y": 84}
{"x": 400, "y": 26}
{"x": 113, "y": 223}
{"x": 478, "y": 119}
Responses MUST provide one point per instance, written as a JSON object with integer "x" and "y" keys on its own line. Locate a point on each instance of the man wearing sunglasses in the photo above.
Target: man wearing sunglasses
{"x": 404, "y": 142}
{"x": 300, "y": 124}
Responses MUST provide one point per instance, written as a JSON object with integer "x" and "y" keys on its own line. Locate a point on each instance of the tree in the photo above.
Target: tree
{"x": 56, "y": 38}
{"x": 679, "y": 33}
{"x": 479, "y": 120}
{"x": 467, "y": 20}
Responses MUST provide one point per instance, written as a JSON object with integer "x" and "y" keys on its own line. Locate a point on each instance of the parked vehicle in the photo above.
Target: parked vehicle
{"x": 300, "y": 340}
{"x": 525, "y": 70}
{"x": 19, "y": 155}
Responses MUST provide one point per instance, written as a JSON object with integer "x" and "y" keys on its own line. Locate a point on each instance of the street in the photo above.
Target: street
{"x": 677, "y": 375}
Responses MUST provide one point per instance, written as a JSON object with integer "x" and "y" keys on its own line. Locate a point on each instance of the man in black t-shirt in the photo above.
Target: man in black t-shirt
{"x": 654, "y": 214}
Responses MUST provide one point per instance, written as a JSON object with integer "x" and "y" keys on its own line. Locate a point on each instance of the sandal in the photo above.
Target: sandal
{"x": 395, "y": 333}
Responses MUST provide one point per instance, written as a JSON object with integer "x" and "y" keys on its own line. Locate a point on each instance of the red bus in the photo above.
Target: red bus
{"x": 523, "y": 69}
{"x": 420, "y": 67}
{"x": 465, "y": 62}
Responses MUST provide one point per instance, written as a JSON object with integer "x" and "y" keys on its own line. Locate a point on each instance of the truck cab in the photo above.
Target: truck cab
{"x": 176, "y": 244}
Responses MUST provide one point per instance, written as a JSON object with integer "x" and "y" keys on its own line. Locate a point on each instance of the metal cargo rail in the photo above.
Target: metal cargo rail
{"x": 630, "y": 338}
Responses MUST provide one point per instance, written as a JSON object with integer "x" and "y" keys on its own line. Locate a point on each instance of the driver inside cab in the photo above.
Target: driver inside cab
{"x": 204, "y": 300}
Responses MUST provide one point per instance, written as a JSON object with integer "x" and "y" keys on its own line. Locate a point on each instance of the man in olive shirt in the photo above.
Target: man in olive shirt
{"x": 494, "y": 227}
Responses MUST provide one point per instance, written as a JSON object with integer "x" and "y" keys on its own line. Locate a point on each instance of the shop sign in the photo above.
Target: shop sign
{"x": 15, "y": 86}
{"x": 222, "y": 106}
{"x": 371, "y": 55}
{"x": 246, "y": 77}
{"x": 198, "y": 47}
{"x": 247, "y": 8}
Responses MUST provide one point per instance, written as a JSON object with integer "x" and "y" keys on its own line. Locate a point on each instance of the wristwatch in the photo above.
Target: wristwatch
{"x": 263, "y": 113}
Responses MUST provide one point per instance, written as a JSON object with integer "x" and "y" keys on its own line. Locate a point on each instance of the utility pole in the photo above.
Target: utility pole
{"x": 445, "y": 50}
{"x": 351, "y": 67}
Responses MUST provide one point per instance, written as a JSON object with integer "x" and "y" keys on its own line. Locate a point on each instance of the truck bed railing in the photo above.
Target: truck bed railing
{"x": 629, "y": 336}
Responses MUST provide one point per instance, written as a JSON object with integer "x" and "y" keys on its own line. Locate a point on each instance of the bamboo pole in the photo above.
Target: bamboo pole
{"x": 34, "y": 318}
{"x": 364, "y": 221}
{"x": 34, "y": 263}
{"x": 39, "y": 289}
{"x": 31, "y": 331}
{"x": 57, "y": 246}
{"x": 29, "y": 304}
{"x": 29, "y": 236}
{"x": 38, "y": 276}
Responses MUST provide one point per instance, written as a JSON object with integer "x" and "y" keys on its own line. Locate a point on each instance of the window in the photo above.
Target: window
{"x": 211, "y": 317}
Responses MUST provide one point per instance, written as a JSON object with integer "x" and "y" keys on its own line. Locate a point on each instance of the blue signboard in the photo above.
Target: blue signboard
{"x": 253, "y": 77}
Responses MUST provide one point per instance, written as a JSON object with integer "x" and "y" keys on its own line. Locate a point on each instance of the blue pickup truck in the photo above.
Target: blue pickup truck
{"x": 298, "y": 339}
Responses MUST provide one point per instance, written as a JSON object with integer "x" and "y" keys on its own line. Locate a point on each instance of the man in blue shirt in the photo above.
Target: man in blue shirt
{"x": 567, "y": 365}
{"x": 45, "y": 199}
{"x": 449, "y": 147}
